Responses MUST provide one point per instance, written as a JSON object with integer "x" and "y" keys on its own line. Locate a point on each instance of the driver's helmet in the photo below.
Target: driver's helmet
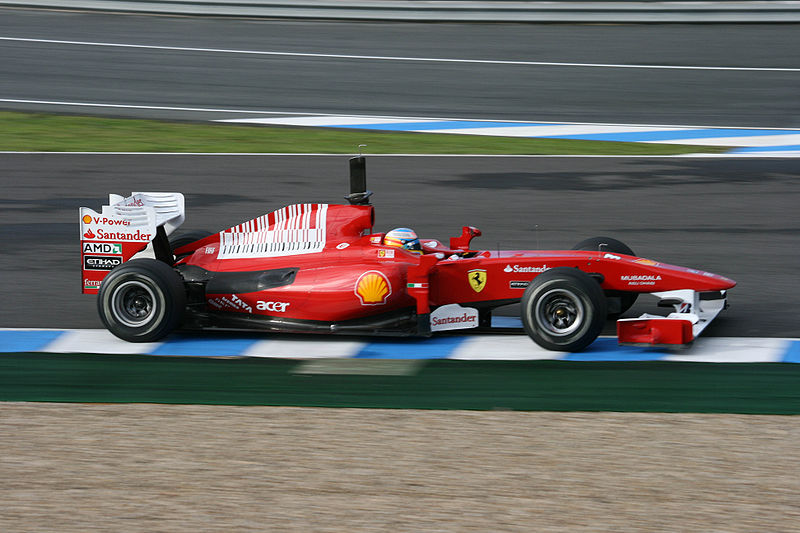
{"x": 403, "y": 238}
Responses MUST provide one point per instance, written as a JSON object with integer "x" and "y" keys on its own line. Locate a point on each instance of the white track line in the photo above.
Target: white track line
{"x": 154, "y": 107}
{"x": 785, "y": 155}
{"x": 397, "y": 58}
{"x": 758, "y": 140}
{"x": 97, "y": 341}
{"x": 734, "y": 350}
{"x": 288, "y": 115}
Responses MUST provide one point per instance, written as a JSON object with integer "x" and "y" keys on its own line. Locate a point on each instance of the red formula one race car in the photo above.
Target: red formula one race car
{"x": 320, "y": 268}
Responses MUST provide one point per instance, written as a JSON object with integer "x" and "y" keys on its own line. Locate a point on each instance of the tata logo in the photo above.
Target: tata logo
{"x": 275, "y": 307}
{"x": 110, "y": 248}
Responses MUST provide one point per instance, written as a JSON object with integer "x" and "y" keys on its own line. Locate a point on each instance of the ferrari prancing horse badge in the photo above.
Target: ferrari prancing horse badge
{"x": 477, "y": 279}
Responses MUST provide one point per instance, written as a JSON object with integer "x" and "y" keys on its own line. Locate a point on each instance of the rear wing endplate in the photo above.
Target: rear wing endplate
{"x": 123, "y": 228}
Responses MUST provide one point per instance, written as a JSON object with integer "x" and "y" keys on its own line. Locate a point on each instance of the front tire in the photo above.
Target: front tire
{"x": 563, "y": 309}
{"x": 593, "y": 244}
{"x": 142, "y": 300}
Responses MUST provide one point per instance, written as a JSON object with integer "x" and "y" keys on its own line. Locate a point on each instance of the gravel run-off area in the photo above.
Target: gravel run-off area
{"x": 137, "y": 467}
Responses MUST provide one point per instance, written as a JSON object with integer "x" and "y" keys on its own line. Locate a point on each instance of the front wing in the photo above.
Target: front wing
{"x": 693, "y": 312}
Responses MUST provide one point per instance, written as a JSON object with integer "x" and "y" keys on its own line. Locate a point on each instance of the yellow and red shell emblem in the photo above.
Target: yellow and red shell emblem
{"x": 373, "y": 288}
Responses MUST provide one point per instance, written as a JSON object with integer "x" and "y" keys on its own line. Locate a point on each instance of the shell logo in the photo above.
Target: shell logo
{"x": 373, "y": 288}
{"x": 87, "y": 219}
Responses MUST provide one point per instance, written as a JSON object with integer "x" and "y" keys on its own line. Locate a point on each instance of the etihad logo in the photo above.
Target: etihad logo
{"x": 373, "y": 288}
{"x": 100, "y": 262}
{"x": 526, "y": 269}
{"x": 477, "y": 279}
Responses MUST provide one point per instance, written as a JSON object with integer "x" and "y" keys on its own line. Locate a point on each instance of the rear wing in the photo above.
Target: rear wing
{"x": 125, "y": 227}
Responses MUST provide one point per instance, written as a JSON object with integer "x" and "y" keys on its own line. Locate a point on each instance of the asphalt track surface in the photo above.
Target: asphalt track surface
{"x": 734, "y": 217}
{"x": 322, "y": 84}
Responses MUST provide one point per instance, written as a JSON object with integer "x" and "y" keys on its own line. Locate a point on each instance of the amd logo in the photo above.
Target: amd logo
{"x": 111, "y": 248}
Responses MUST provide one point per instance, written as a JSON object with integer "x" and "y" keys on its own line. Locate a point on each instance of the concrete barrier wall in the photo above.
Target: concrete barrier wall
{"x": 452, "y": 10}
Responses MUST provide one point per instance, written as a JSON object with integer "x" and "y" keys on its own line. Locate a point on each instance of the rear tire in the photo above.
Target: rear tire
{"x": 563, "y": 309}
{"x": 186, "y": 238}
{"x": 592, "y": 244}
{"x": 142, "y": 300}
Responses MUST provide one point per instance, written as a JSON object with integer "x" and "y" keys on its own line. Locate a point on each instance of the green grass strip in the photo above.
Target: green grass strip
{"x": 437, "y": 384}
{"x": 68, "y": 133}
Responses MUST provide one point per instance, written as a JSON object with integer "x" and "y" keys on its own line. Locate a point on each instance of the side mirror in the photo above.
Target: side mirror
{"x": 462, "y": 242}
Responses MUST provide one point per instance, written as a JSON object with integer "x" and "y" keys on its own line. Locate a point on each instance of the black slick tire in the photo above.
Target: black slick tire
{"x": 188, "y": 237}
{"x": 563, "y": 309}
{"x": 142, "y": 300}
{"x": 613, "y": 246}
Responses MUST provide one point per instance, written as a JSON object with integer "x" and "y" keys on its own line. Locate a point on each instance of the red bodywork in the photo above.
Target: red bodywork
{"x": 321, "y": 268}
{"x": 354, "y": 276}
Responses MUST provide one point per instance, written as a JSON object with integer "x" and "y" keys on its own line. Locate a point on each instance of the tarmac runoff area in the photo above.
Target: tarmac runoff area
{"x": 466, "y": 347}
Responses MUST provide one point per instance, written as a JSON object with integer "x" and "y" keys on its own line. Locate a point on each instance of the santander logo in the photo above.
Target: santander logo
{"x": 526, "y": 269}
{"x": 90, "y": 235}
{"x": 453, "y": 316}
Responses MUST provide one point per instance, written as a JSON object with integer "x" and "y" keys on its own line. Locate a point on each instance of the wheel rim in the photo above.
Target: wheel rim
{"x": 134, "y": 304}
{"x": 560, "y": 312}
